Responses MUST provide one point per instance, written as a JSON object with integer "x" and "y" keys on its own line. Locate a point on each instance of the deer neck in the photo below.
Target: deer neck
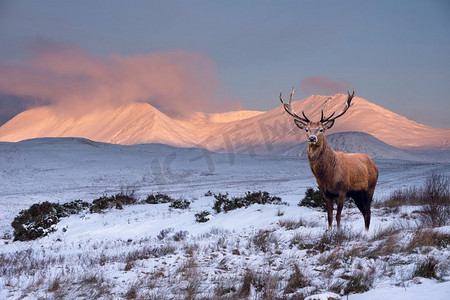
{"x": 321, "y": 158}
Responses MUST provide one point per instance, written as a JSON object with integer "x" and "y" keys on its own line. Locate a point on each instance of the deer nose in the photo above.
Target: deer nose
{"x": 313, "y": 138}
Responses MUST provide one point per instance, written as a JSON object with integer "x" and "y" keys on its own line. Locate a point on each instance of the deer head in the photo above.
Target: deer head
{"x": 314, "y": 130}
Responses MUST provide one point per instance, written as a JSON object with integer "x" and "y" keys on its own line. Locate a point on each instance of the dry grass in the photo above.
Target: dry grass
{"x": 336, "y": 238}
{"x": 265, "y": 240}
{"x": 297, "y": 280}
{"x": 359, "y": 281}
{"x": 427, "y": 268}
{"x": 383, "y": 233}
{"x": 429, "y": 238}
{"x": 433, "y": 197}
{"x": 292, "y": 224}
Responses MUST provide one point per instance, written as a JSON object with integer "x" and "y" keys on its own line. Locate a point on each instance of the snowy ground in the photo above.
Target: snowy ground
{"x": 254, "y": 253}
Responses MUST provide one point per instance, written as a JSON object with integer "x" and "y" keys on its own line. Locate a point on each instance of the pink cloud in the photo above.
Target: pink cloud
{"x": 322, "y": 85}
{"x": 176, "y": 82}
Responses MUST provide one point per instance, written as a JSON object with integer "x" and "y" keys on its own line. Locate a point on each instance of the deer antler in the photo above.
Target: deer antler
{"x": 346, "y": 107}
{"x": 288, "y": 108}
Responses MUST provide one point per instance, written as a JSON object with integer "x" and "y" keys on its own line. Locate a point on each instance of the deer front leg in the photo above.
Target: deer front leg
{"x": 329, "y": 204}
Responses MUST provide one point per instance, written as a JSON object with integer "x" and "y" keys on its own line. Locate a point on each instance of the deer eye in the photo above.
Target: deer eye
{"x": 321, "y": 130}
{"x": 307, "y": 129}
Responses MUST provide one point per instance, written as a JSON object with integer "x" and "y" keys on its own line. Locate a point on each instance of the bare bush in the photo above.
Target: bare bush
{"x": 435, "y": 201}
{"x": 164, "y": 233}
{"x": 433, "y": 197}
{"x": 180, "y": 235}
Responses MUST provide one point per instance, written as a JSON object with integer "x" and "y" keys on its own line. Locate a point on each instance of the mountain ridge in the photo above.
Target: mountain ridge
{"x": 251, "y": 132}
{"x": 360, "y": 142}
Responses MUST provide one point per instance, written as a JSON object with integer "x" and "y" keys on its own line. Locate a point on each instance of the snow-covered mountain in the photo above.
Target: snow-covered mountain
{"x": 360, "y": 142}
{"x": 234, "y": 132}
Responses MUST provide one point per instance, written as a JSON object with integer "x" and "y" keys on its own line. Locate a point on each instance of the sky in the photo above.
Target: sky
{"x": 185, "y": 56}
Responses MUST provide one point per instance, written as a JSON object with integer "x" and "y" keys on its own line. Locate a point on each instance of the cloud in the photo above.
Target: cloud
{"x": 176, "y": 82}
{"x": 11, "y": 106}
{"x": 322, "y": 85}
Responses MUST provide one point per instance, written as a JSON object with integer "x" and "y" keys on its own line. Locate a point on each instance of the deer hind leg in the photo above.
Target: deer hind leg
{"x": 363, "y": 201}
{"x": 359, "y": 201}
{"x": 367, "y": 203}
{"x": 340, "y": 205}
{"x": 329, "y": 204}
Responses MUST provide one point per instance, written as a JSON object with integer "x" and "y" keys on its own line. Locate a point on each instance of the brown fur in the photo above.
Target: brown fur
{"x": 341, "y": 175}
{"x": 338, "y": 175}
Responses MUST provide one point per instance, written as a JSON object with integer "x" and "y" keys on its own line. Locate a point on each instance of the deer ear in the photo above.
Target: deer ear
{"x": 300, "y": 124}
{"x": 328, "y": 124}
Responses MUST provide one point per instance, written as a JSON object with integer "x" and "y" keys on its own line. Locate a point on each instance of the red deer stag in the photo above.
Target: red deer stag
{"x": 338, "y": 175}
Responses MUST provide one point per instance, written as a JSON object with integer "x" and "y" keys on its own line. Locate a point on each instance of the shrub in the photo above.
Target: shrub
{"x": 220, "y": 200}
{"x": 202, "y": 216}
{"x": 75, "y": 207}
{"x": 437, "y": 188}
{"x": 180, "y": 204}
{"x": 107, "y": 202}
{"x": 37, "y": 221}
{"x": 435, "y": 198}
{"x": 100, "y": 204}
{"x": 314, "y": 199}
{"x": 261, "y": 198}
{"x": 158, "y": 199}
{"x": 125, "y": 199}
{"x": 224, "y": 203}
{"x": 40, "y": 218}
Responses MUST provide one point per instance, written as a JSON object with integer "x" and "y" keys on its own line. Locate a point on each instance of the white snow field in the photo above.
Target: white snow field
{"x": 152, "y": 251}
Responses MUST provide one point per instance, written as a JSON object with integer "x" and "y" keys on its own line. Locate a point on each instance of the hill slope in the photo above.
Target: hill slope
{"x": 360, "y": 142}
